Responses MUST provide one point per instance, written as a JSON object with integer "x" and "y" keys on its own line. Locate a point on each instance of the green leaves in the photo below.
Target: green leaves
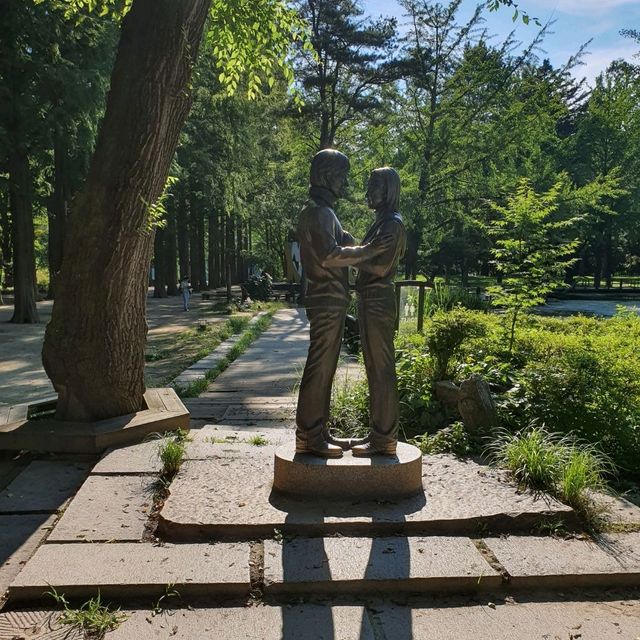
{"x": 251, "y": 43}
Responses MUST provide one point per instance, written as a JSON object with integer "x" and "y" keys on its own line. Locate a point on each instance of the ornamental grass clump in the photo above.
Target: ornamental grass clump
{"x": 171, "y": 452}
{"x": 561, "y": 466}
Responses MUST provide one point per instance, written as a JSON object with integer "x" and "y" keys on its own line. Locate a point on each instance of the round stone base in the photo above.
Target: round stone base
{"x": 348, "y": 478}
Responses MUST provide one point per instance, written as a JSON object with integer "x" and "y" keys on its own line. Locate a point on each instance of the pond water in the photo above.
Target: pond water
{"x": 604, "y": 308}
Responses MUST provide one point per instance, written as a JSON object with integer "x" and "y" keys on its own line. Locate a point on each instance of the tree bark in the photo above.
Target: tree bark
{"x": 57, "y": 213}
{"x": 24, "y": 260}
{"x": 94, "y": 345}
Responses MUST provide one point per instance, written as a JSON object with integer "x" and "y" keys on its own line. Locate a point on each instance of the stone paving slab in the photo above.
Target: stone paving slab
{"x": 43, "y": 486}
{"x": 390, "y": 565}
{"x": 510, "y": 620}
{"x": 19, "y": 538}
{"x": 290, "y": 622}
{"x": 460, "y": 497}
{"x": 135, "y": 459}
{"x": 107, "y": 508}
{"x": 552, "y": 563}
{"x": 132, "y": 570}
{"x": 36, "y": 625}
{"x": 619, "y": 509}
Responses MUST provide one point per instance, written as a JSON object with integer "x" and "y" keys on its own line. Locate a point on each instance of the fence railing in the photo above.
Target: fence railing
{"x": 620, "y": 282}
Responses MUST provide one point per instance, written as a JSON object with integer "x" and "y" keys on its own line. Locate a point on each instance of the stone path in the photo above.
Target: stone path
{"x": 22, "y": 377}
{"x": 467, "y": 560}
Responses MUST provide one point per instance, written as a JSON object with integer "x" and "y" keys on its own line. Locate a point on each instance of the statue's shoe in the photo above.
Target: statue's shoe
{"x": 344, "y": 443}
{"x": 318, "y": 447}
{"x": 372, "y": 449}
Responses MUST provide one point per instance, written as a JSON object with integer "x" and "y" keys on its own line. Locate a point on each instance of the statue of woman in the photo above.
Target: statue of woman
{"x": 377, "y": 313}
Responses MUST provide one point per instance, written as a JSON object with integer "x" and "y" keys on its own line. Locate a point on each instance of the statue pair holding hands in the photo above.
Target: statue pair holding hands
{"x": 327, "y": 251}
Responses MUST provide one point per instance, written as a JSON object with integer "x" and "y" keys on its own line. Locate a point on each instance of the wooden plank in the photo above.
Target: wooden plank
{"x": 154, "y": 400}
{"x": 171, "y": 400}
{"x": 17, "y": 413}
{"x": 4, "y": 414}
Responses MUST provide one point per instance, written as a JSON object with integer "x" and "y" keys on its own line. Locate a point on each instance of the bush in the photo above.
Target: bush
{"x": 453, "y": 439}
{"x": 446, "y": 333}
{"x": 577, "y": 375}
{"x": 259, "y": 287}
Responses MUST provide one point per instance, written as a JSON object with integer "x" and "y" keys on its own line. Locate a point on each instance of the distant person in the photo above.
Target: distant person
{"x": 185, "y": 287}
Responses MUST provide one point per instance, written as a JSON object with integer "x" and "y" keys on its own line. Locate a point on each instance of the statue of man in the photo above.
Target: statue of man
{"x": 326, "y": 250}
{"x": 377, "y": 313}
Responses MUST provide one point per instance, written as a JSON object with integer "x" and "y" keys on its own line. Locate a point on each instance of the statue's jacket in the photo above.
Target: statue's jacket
{"x": 325, "y": 251}
{"x": 376, "y": 275}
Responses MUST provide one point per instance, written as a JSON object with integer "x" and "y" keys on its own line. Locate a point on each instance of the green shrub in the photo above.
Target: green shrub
{"x": 259, "y": 287}
{"x": 452, "y": 439}
{"x": 446, "y": 333}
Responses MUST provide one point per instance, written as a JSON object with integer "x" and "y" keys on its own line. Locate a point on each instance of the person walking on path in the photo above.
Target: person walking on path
{"x": 326, "y": 250}
{"x": 185, "y": 287}
{"x": 377, "y": 313}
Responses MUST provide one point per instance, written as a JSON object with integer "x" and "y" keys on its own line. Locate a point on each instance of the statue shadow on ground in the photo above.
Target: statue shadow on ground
{"x": 371, "y": 519}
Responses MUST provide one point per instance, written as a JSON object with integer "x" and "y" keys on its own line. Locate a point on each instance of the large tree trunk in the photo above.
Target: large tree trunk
{"x": 24, "y": 260}
{"x": 57, "y": 213}
{"x": 94, "y": 344}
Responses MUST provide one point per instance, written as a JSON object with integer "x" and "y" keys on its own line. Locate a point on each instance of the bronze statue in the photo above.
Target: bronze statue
{"x": 326, "y": 250}
{"x": 377, "y": 313}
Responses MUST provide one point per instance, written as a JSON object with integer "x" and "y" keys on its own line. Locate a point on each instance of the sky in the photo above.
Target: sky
{"x": 576, "y": 22}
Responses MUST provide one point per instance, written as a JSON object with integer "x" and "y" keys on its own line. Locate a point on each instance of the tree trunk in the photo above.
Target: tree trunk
{"x": 211, "y": 248}
{"x": 24, "y": 260}
{"x": 159, "y": 263}
{"x": 182, "y": 221}
{"x": 607, "y": 255}
{"x": 411, "y": 255}
{"x": 202, "y": 256}
{"x": 94, "y": 345}
{"x": 194, "y": 246}
{"x": 57, "y": 213}
{"x": 5, "y": 239}
{"x": 172, "y": 255}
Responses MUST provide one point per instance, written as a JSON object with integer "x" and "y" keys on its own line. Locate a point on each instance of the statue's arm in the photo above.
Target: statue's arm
{"x": 331, "y": 253}
{"x": 391, "y": 255}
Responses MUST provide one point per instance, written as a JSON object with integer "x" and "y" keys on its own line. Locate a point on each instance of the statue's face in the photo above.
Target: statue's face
{"x": 376, "y": 192}
{"x": 339, "y": 181}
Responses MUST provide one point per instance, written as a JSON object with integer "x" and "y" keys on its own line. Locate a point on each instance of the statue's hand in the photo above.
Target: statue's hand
{"x": 347, "y": 239}
{"x": 381, "y": 243}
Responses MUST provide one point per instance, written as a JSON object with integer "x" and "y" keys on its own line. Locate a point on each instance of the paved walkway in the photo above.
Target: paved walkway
{"x": 100, "y": 536}
{"x": 22, "y": 377}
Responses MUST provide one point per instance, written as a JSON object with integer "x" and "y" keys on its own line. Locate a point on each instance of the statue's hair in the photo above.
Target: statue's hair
{"x": 325, "y": 165}
{"x": 391, "y": 180}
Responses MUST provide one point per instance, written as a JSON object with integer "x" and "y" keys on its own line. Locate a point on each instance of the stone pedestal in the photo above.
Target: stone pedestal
{"x": 348, "y": 478}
